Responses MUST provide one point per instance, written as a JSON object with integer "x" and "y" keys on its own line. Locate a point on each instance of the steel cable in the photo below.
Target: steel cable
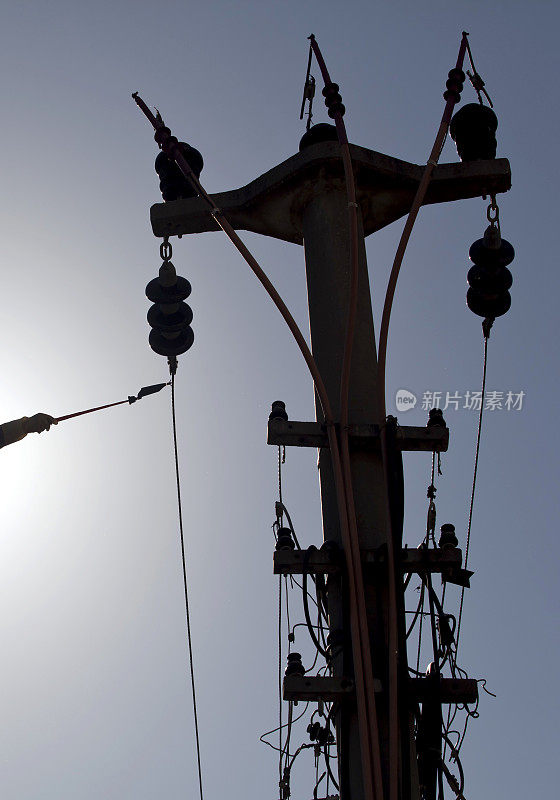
{"x": 477, "y": 450}
{"x": 187, "y": 610}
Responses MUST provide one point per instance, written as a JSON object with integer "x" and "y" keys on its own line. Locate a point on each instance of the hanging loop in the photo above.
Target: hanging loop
{"x": 493, "y": 213}
{"x": 165, "y": 249}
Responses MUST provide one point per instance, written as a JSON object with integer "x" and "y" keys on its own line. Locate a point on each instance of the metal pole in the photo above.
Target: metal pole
{"x": 327, "y": 255}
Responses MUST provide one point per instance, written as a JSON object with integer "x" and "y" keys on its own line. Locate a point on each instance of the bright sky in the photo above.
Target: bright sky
{"x": 95, "y": 698}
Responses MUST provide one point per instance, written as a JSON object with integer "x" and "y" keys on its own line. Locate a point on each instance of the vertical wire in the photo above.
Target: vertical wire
{"x": 280, "y": 679}
{"x": 187, "y": 610}
{"x": 477, "y": 450}
{"x": 289, "y": 627}
{"x": 420, "y": 626}
{"x": 280, "y": 475}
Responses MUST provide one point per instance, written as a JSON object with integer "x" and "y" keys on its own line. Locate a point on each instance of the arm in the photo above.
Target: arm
{"x": 11, "y": 432}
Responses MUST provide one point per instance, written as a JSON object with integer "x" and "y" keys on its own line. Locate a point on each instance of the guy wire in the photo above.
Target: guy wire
{"x": 187, "y": 612}
{"x": 477, "y": 450}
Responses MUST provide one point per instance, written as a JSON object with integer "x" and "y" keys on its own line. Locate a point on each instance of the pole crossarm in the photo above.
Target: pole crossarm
{"x": 362, "y": 437}
{"x": 444, "y": 690}
{"x": 317, "y": 687}
{"x": 273, "y": 203}
{"x": 445, "y": 561}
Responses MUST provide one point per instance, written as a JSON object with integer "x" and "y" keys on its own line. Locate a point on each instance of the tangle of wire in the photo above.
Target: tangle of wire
{"x": 316, "y": 630}
{"x": 444, "y": 629}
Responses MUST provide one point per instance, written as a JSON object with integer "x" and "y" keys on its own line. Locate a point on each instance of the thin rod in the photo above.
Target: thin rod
{"x": 405, "y": 236}
{"x": 89, "y": 411}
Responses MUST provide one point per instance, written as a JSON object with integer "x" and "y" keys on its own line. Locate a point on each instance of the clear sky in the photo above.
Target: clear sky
{"x": 94, "y": 697}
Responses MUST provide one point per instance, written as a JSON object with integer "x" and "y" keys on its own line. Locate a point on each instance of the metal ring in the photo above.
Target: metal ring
{"x": 492, "y": 217}
{"x": 165, "y": 250}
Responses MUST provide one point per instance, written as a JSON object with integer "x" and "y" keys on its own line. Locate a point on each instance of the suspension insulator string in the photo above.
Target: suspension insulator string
{"x": 187, "y": 609}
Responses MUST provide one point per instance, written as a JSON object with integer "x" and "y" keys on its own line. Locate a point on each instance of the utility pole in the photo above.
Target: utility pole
{"x": 303, "y": 200}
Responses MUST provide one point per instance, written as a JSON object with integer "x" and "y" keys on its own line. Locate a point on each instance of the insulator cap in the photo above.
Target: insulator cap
{"x": 490, "y": 282}
{"x": 435, "y": 418}
{"x": 173, "y": 184}
{"x": 447, "y": 537}
{"x": 295, "y": 667}
{"x": 488, "y": 306}
{"x": 473, "y": 129}
{"x": 167, "y": 274}
{"x": 322, "y": 132}
{"x": 171, "y": 345}
{"x": 285, "y": 540}
{"x": 278, "y": 410}
{"x": 485, "y": 254}
{"x": 168, "y": 294}
{"x": 170, "y": 318}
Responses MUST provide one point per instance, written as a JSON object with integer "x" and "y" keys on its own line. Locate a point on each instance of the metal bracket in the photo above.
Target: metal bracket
{"x": 446, "y": 561}
{"x": 423, "y": 560}
{"x": 362, "y": 437}
{"x": 319, "y": 562}
{"x": 309, "y": 687}
{"x": 446, "y": 690}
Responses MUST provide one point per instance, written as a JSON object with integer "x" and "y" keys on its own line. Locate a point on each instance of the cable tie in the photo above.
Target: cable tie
{"x": 432, "y": 162}
{"x": 216, "y": 212}
{"x": 352, "y": 205}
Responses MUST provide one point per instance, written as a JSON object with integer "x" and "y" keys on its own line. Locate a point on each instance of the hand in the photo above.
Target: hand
{"x": 39, "y": 423}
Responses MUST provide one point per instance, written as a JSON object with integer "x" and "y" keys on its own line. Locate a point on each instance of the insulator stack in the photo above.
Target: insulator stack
{"x": 447, "y": 537}
{"x": 489, "y": 279}
{"x": 473, "y": 129}
{"x": 333, "y": 100}
{"x": 454, "y": 85}
{"x": 172, "y": 183}
{"x": 169, "y": 317}
{"x": 435, "y": 418}
{"x": 295, "y": 666}
{"x": 285, "y": 540}
{"x": 278, "y": 411}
